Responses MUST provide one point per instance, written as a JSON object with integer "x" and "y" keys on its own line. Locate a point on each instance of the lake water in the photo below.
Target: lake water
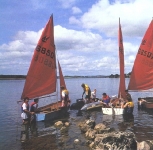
{"x": 10, "y": 124}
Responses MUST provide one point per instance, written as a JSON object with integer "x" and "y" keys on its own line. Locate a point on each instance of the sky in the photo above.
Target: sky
{"x": 85, "y": 32}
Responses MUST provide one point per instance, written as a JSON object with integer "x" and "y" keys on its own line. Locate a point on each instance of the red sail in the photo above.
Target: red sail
{"x": 142, "y": 72}
{"x": 121, "y": 92}
{"x": 62, "y": 81}
{"x": 41, "y": 78}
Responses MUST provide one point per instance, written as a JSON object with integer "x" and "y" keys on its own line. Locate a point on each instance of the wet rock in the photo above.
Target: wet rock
{"x": 101, "y": 128}
{"x": 76, "y": 141}
{"x": 84, "y": 127}
{"x": 90, "y": 134}
{"x": 67, "y": 124}
{"x": 91, "y": 123}
{"x": 64, "y": 130}
{"x": 116, "y": 140}
{"x": 58, "y": 124}
{"x": 145, "y": 145}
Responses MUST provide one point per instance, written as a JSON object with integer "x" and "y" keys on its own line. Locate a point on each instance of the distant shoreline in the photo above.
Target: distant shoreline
{"x": 21, "y": 77}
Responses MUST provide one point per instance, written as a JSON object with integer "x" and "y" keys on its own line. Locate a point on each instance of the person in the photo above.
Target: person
{"x": 25, "y": 115}
{"x": 34, "y": 109}
{"x": 141, "y": 102}
{"x": 65, "y": 97}
{"x": 128, "y": 106}
{"x": 93, "y": 95}
{"x": 105, "y": 98}
{"x": 114, "y": 101}
{"x": 127, "y": 94}
{"x": 87, "y": 91}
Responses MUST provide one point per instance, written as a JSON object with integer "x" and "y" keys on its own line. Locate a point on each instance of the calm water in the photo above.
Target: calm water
{"x": 10, "y": 124}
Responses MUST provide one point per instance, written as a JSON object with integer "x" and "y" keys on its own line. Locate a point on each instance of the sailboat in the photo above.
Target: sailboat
{"x": 117, "y": 110}
{"x": 141, "y": 78}
{"x": 41, "y": 80}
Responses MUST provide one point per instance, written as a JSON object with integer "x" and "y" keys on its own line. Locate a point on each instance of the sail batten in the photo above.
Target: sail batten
{"x": 121, "y": 92}
{"x": 42, "y": 77}
{"x": 142, "y": 71}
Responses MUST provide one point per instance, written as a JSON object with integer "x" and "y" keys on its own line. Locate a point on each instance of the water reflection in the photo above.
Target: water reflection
{"x": 28, "y": 131}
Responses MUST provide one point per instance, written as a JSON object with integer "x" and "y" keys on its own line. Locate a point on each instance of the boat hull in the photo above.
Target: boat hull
{"x": 112, "y": 111}
{"x": 147, "y": 103}
{"x": 78, "y": 105}
{"x": 92, "y": 105}
{"x": 51, "y": 115}
{"x": 52, "y": 112}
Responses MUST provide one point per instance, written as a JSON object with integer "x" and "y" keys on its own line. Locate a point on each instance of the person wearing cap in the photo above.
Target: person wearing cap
{"x": 105, "y": 98}
{"x": 87, "y": 91}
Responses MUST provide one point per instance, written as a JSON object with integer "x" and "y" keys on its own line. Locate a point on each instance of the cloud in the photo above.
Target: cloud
{"x": 132, "y": 13}
{"x": 76, "y": 10}
{"x": 86, "y": 38}
{"x": 67, "y": 3}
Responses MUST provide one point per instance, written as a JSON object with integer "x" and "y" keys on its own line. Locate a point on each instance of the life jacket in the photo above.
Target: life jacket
{"x": 87, "y": 90}
{"x": 129, "y": 108}
{"x": 106, "y": 99}
{"x": 32, "y": 108}
{"x": 130, "y": 104}
{"x": 66, "y": 92}
{"x": 27, "y": 107}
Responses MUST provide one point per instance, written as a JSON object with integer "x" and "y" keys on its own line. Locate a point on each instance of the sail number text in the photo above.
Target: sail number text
{"x": 45, "y": 61}
{"x": 45, "y": 51}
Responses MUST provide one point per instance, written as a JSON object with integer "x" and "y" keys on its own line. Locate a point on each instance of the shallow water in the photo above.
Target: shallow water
{"x": 10, "y": 125}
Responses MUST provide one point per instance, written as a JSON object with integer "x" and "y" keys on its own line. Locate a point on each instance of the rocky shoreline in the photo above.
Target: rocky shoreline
{"x": 96, "y": 137}
{"x": 99, "y": 137}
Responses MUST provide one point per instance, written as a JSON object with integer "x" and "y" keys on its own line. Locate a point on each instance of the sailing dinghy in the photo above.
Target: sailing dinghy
{"x": 41, "y": 80}
{"x": 141, "y": 78}
{"x": 117, "y": 110}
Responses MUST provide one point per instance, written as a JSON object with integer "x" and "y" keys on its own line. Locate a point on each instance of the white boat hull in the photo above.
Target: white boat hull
{"x": 112, "y": 111}
{"x": 91, "y": 105}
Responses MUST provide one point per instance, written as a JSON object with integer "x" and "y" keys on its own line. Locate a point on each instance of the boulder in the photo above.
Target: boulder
{"x": 145, "y": 145}
{"x": 58, "y": 124}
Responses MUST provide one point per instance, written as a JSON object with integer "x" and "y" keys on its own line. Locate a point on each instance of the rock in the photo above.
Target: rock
{"x": 116, "y": 140}
{"x": 67, "y": 124}
{"x": 90, "y": 123}
{"x": 101, "y": 128}
{"x": 90, "y": 134}
{"x": 58, "y": 124}
{"x": 92, "y": 145}
{"x": 145, "y": 145}
{"x": 84, "y": 127}
{"x": 76, "y": 141}
{"x": 64, "y": 129}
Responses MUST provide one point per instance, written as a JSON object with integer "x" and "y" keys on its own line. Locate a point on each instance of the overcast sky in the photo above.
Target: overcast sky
{"x": 86, "y": 33}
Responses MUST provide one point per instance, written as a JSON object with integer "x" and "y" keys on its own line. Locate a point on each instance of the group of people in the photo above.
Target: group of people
{"x": 28, "y": 112}
{"x": 125, "y": 103}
